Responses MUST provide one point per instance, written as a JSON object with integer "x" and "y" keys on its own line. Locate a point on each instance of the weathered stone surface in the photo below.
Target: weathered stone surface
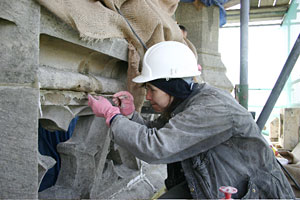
{"x": 60, "y": 117}
{"x": 19, "y": 36}
{"x": 81, "y": 110}
{"x": 202, "y": 25}
{"x": 63, "y": 98}
{"x": 215, "y": 78}
{"x": 296, "y": 151}
{"x": 55, "y": 117}
{"x": 211, "y": 60}
{"x": 120, "y": 182}
{"x": 110, "y": 181}
{"x": 124, "y": 157}
{"x": 18, "y": 144}
{"x": 295, "y": 96}
{"x": 82, "y": 159}
{"x": 59, "y": 192}
{"x": 19, "y": 41}
{"x": 274, "y": 130}
{"x": 289, "y": 130}
{"x": 67, "y": 56}
{"x": 149, "y": 181}
{"x": 45, "y": 163}
{"x": 53, "y": 26}
{"x": 203, "y": 32}
{"x": 53, "y": 79}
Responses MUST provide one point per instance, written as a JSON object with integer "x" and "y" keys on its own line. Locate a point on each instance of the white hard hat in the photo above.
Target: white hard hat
{"x": 168, "y": 59}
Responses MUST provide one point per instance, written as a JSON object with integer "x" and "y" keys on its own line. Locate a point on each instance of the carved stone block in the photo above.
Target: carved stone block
{"x": 82, "y": 159}
{"x": 290, "y": 128}
{"x": 45, "y": 163}
{"x": 274, "y": 130}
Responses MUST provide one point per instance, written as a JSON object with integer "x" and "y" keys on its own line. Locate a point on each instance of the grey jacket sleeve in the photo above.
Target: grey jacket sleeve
{"x": 138, "y": 118}
{"x": 150, "y": 124}
{"x": 188, "y": 133}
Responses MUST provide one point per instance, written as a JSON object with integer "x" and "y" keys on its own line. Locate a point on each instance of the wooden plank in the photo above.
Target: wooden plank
{"x": 231, "y": 3}
{"x": 282, "y": 2}
{"x": 255, "y": 19}
{"x": 266, "y": 3}
{"x": 269, "y": 10}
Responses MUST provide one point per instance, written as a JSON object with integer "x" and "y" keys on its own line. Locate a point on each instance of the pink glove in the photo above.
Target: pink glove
{"x": 199, "y": 68}
{"x": 103, "y": 108}
{"x": 124, "y": 100}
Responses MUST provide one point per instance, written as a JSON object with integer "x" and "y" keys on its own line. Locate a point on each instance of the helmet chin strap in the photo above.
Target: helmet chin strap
{"x": 189, "y": 81}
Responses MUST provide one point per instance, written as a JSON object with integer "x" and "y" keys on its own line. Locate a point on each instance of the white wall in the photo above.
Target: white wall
{"x": 268, "y": 51}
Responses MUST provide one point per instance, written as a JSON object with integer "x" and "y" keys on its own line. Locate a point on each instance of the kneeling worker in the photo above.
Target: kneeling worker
{"x": 203, "y": 135}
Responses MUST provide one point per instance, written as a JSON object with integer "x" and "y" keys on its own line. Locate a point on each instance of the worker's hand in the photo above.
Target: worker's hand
{"x": 124, "y": 100}
{"x": 102, "y": 108}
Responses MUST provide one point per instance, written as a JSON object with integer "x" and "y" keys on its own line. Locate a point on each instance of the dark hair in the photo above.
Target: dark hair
{"x": 175, "y": 87}
{"x": 178, "y": 88}
{"x": 167, "y": 113}
{"x": 182, "y": 27}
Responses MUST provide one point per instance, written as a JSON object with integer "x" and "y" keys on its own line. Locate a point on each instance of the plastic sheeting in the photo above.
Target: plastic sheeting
{"x": 219, "y": 3}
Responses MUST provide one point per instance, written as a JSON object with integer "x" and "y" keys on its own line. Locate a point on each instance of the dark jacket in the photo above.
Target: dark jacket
{"x": 217, "y": 142}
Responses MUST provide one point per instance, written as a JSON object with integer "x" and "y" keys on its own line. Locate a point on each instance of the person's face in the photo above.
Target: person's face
{"x": 159, "y": 99}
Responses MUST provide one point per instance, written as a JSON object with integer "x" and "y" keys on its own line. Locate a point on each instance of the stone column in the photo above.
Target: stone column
{"x": 203, "y": 31}
{"x": 289, "y": 128}
{"x": 19, "y": 98}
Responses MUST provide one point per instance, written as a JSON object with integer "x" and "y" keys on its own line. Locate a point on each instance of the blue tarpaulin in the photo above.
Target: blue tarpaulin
{"x": 47, "y": 142}
{"x": 219, "y": 3}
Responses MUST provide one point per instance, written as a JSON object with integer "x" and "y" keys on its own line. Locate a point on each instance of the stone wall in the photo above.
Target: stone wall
{"x": 19, "y": 95}
{"x": 46, "y": 72}
{"x": 289, "y": 128}
{"x": 203, "y": 31}
{"x": 285, "y": 130}
{"x": 91, "y": 165}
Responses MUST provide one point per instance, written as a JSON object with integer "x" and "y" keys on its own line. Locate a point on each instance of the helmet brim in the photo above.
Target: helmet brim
{"x": 144, "y": 79}
{"x": 141, "y": 79}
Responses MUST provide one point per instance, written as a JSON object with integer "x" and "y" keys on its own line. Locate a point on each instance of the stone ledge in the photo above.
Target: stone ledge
{"x": 53, "y": 26}
{"x": 54, "y": 79}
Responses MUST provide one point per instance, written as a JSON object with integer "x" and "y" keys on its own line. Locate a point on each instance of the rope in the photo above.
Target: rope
{"x": 136, "y": 35}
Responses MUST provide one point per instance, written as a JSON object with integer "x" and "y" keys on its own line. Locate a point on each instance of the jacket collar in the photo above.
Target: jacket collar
{"x": 181, "y": 106}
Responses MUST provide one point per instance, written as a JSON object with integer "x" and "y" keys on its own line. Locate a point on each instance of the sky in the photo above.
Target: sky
{"x": 267, "y": 54}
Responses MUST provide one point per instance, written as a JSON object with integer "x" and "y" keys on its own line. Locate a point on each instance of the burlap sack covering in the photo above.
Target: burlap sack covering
{"x": 133, "y": 71}
{"x": 98, "y": 19}
{"x": 293, "y": 167}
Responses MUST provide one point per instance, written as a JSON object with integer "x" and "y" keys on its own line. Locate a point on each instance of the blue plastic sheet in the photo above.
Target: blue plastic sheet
{"x": 219, "y": 3}
{"x": 47, "y": 142}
